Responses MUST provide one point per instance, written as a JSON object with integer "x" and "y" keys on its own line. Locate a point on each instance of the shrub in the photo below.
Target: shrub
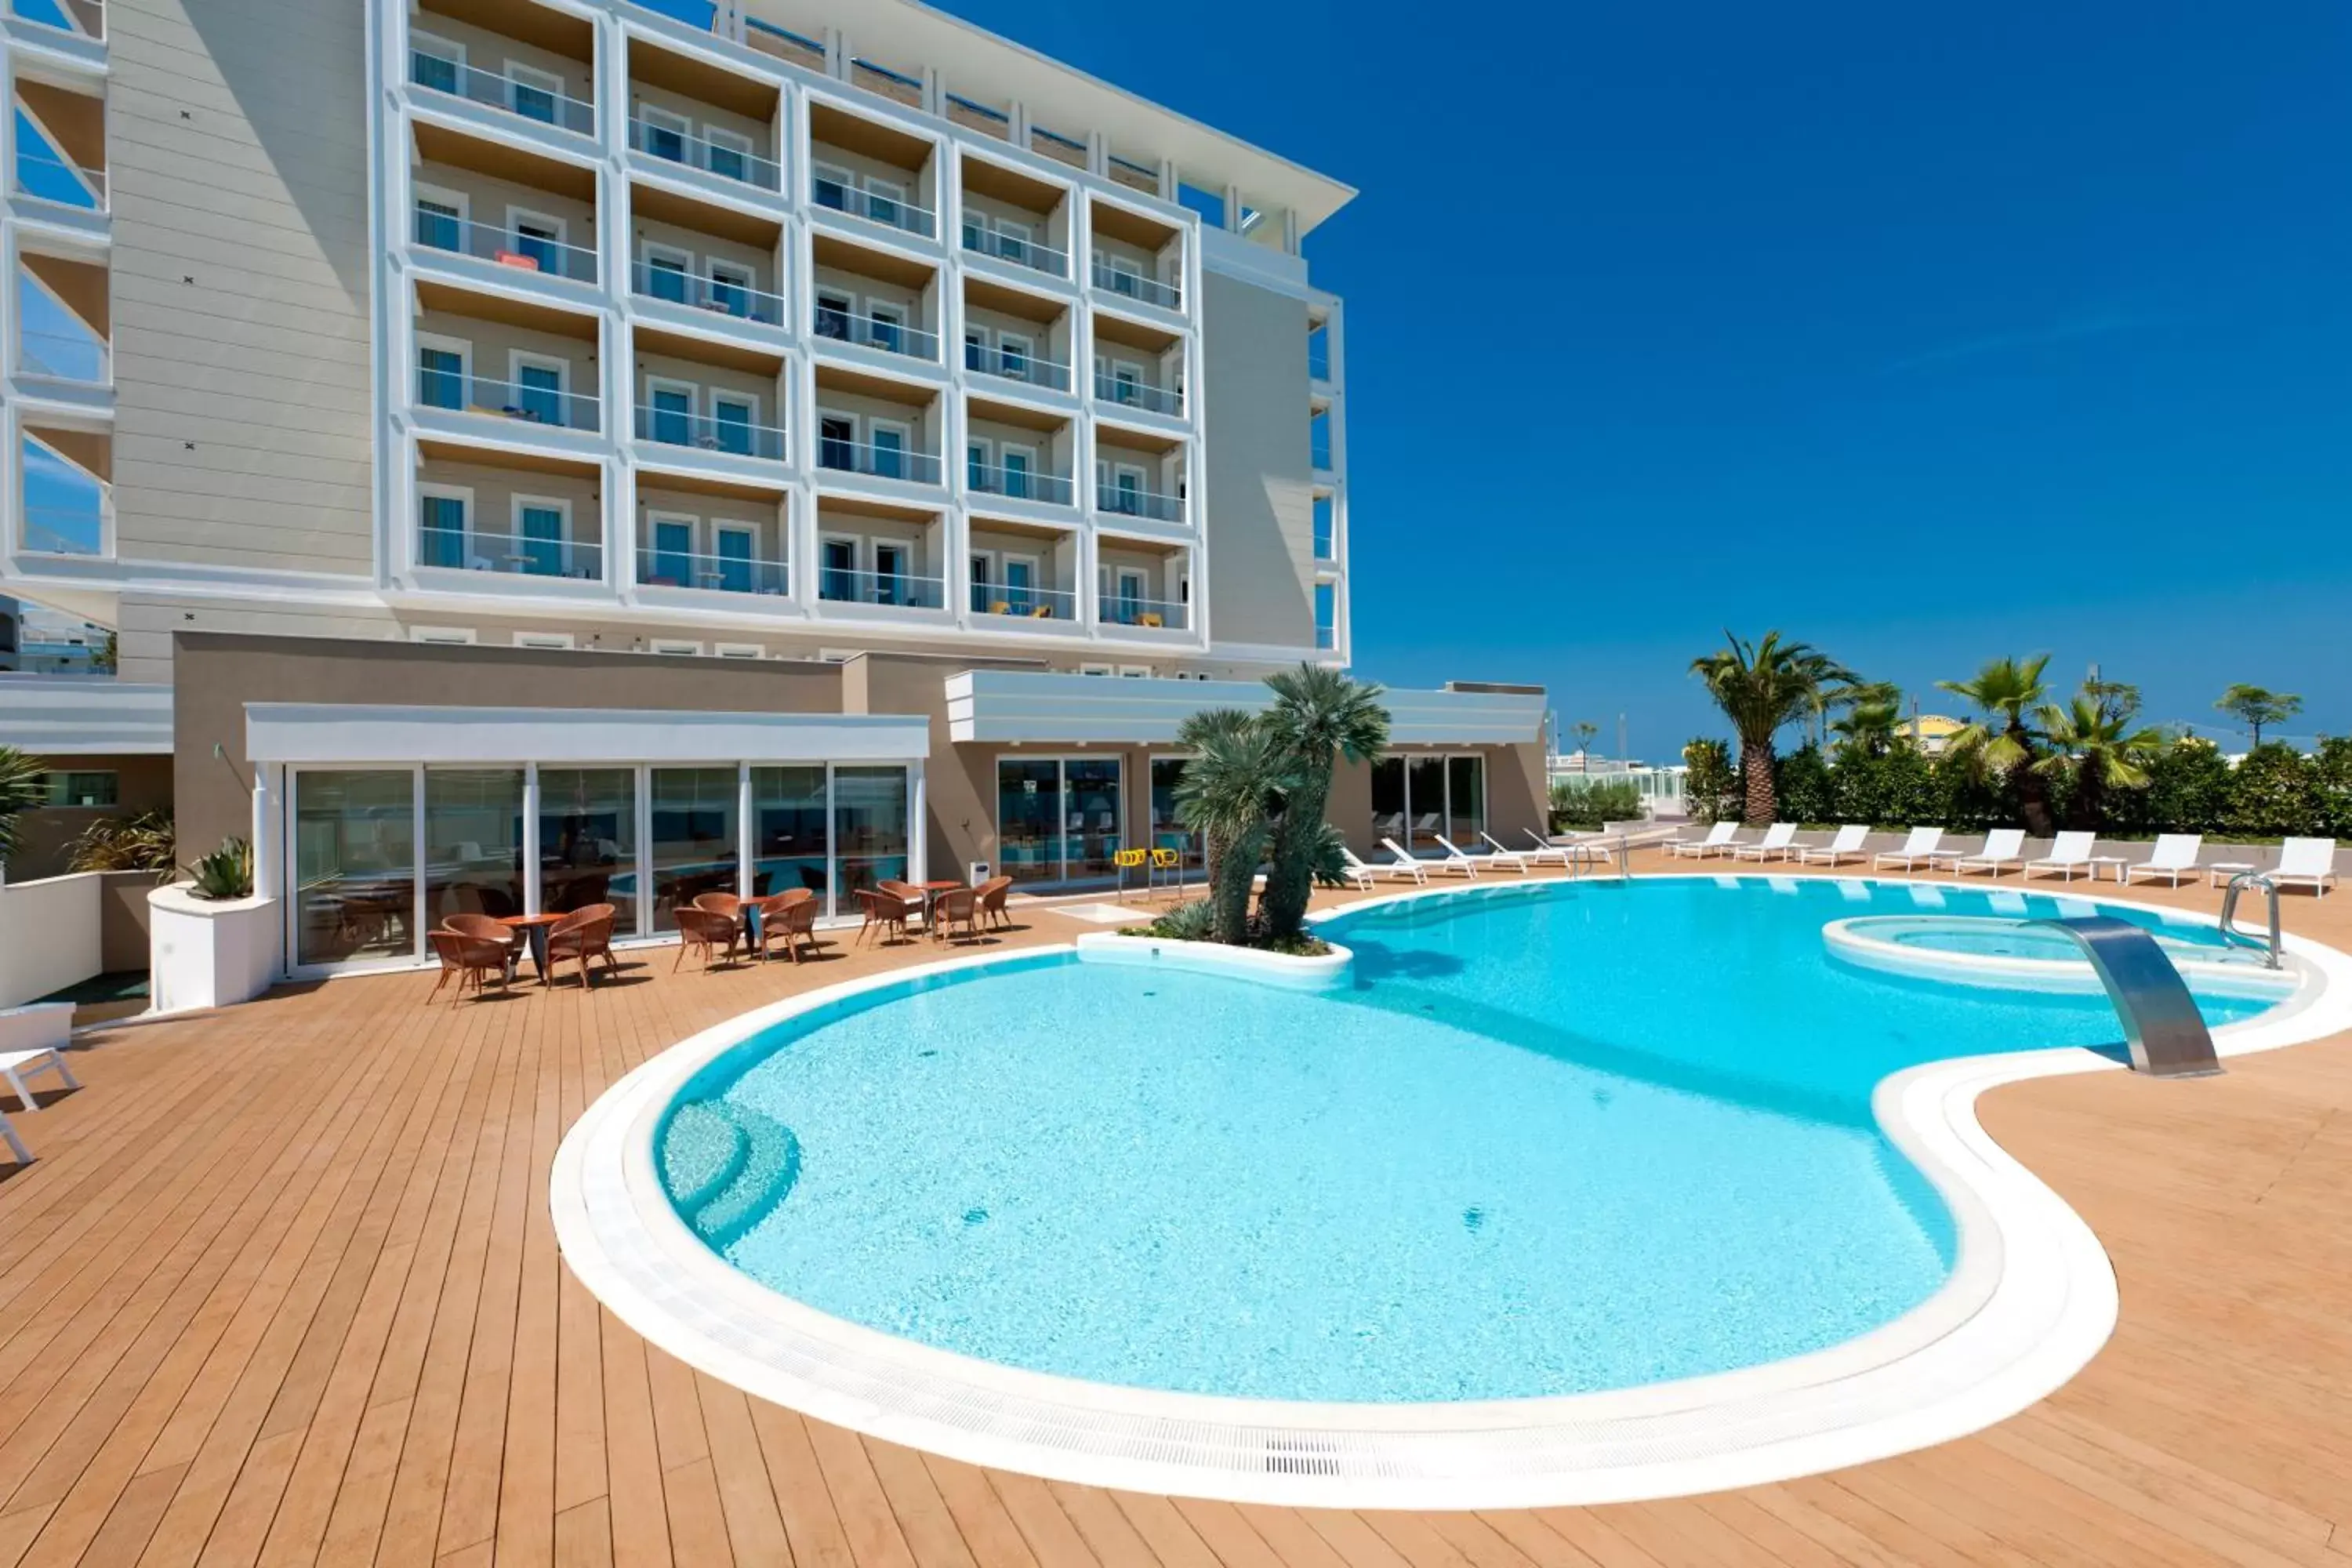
{"x": 2331, "y": 784}
{"x": 1806, "y": 791}
{"x": 142, "y": 843}
{"x": 226, "y": 873}
{"x": 2271, "y": 793}
{"x": 1711, "y": 789}
{"x": 2188, "y": 788}
{"x": 1589, "y": 803}
{"x": 1895, "y": 787}
{"x": 1195, "y": 921}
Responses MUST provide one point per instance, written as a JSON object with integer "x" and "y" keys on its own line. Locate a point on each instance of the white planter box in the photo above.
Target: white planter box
{"x": 208, "y": 954}
{"x": 1322, "y": 972}
{"x": 48, "y": 935}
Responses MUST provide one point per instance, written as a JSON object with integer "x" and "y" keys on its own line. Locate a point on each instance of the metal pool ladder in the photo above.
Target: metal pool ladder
{"x": 2167, "y": 1034}
{"x": 2230, "y": 930}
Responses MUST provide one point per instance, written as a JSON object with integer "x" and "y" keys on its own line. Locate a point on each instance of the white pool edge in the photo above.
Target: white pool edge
{"x": 2030, "y": 1302}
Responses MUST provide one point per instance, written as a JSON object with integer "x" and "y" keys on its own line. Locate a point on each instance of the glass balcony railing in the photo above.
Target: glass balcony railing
{"x": 673, "y": 146}
{"x": 1134, "y": 284}
{"x": 1319, "y": 356}
{"x": 527, "y": 554}
{"x": 652, "y": 280}
{"x": 1017, "y": 483}
{"x": 1024, "y": 604}
{"x": 439, "y": 230}
{"x": 1131, "y": 500}
{"x": 1019, "y": 249}
{"x": 67, "y": 531}
{"x": 709, "y": 433}
{"x": 1120, "y": 610}
{"x": 840, "y": 584}
{"x": 44, "y": 176}
{"x": 882, "y": 462}
{"x": 720, "y": 573}
{"x": 83, "y": 18}
{"x": 530, "y": 402}
{"x": 1133, "y": 394}
{"x": 877, "y": 332}
{"x": 65, "y": 357}
{"x": 524, "y": 100}
{"x": 1009, "y": 364}
{"x": 892, "y": 212}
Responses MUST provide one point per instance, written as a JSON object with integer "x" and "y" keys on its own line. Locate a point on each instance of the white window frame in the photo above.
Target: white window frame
{"x": 660, "y": 118}
{"x": 458, "y": 346}
{"x": 443, "y": 195}
{"x": 891, "y": 191}
{"x": 560, "y": 505}
{"x": 732, "y": 141}
{"x": 906, "y": 432}
{"x": 740, "y": 276}
{"x": 714, "y": 396}
{"x": 464, "y": 496}
{"x": 518, "y": 215}
{"x": 833, "y": 174}
{"x": 897, "y": 315}
{"x": 544, "y": 640}
{"x": 654, "y": 518}
{"x": 1109, "y": 669}
{"x": 856, "y": 567}
{"x": 1008, "y": 559}
{"x": 456, "y": 51}
{"x": 445, "y": 636}
{"x": 522, "y": 73}
{"x": 671, "y": 384}
{"x": 518, "y": 360}
{"x": 666, "y": 252}
{"x": 739, "y": 651}
{"x": 680, "y": 646}
{"x": 725, "y": 525}
{"x": 1009, "y": 344}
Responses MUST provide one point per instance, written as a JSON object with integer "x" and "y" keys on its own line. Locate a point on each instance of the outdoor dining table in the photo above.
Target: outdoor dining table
{"x": 932, "y": 894}
{"x": 535, "y": 928}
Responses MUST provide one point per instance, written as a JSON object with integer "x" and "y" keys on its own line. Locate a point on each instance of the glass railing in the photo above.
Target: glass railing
{"x": 707, "y": 433}
{"x": 526, "y": 554}
{"x": 63, "y": 356}
{"x": 839, "y": 584}
{"x": 45, "y": 176}
{"x": 882, "y": 462}
{"x": 660, "y": 568}
{"x": 1008, "y": 365}
{"x": 1017, "y": 483}
{"x": 439, "y": 230}
{"x": 1121, "y": 611}
{"x": 1138, "y": 395}
{"x": 1018, "y": 249}
{"x": 1127, "y": 500}
{"x": 525, "y": 401}
{"x": 893, "y": 212}
{"x": 526, "y": 100}
{"x": 67, "y": 531}
{"x": 83, "y": 18}
{"x": 680, "y": 287}
{"x": 1318, "y": 358}
{"x": 1318, "y": 452}
{"x": 1136, "y": 286}
{"x": 877, "y": 332}
{"x": 1024, "y": 604}
{"x": 672, "y": 146}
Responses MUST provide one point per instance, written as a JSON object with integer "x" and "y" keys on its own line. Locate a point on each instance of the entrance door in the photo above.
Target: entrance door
{"x": 1028, "y": 819}
{"x": 354, "y": 865}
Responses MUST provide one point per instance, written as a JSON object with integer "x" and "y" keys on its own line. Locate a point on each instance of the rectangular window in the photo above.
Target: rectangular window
{"x": 1325, "y": 545}
{"x": 541, "y": 548}
{"x": 673, "y": 553}
{"x": 890, "y": 445}
{"x": 734, "y": 552}
{"x": 838, "y": 578}
{"x": 693, "y": 850}
{"x": 729, "y": 154}
{"x": 834, "y": 312}
{"x": 1388, "y": 799}
{"x": 1319, "y": 439}
{"x": 538, "y": 392}
{"x": 1016, "y": 468}
{"x": 836, "y": 442}
{"x": 1167, "y": 831}
{"x": 1425, "y": 786}
{"x": 1465, "y": 799}
{"x": 354, "y": 865}
{"x": 732, "y": 425}
{"x": 789, "y": 845}
{"x": 440, "y": 224}
{"x": 731, "y": 290}
{"x": 869, "y": 828}
{"x": 663, "y": 135}
{"x": 588, "y": 842}
{"x": 440, "y": 378}
{"x": 473, "y": 842}
{"x": 541, "y": 242}
{"x": 434, "y": 64}
{"x": 441, "y": 531}
{"x": 533, "y": 94}
{"x": 666, "y": 276}
{"x": 1327, "y": 615}
{"x": 673, "y": 415}
{"x": 81, "y": 787}
{"x": 1028, "y": 820}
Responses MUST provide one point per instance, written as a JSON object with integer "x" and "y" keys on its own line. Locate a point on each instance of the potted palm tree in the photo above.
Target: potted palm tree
{"x": 1763, "y": 687}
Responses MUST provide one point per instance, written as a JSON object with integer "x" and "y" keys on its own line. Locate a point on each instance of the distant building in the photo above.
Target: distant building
{"x": 1933, "y": 732}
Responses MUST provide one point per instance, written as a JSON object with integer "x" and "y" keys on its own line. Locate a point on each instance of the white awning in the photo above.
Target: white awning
{"x": 84, "y": 716}
{"x": 1010, "y": 705}
{"x": 326, "y": 732}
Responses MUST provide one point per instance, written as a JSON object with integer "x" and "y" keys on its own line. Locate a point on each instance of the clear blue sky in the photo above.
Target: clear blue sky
{"x": 1924, "y": 335}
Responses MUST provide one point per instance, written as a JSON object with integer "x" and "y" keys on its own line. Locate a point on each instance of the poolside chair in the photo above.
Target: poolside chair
{"x": 1773, "y": 846}
{"x": 2175, "y": 856}
{"x": 517, "y": 938}
{"x": 2003, "y": 847}
{"x": 991, "y": 901}
{"x": 1403, "y": 869}
{"x": 585, "y": 934}
{"x": 2070, "y": 854}
{"x": 1919, "y": 849}
{"x": 706, "y": 932}
{"x": 1489, "y": 858}
{"x": 17, "y": 1066}
{"x": 469, "y": 958}
{"x": 1718, "y": 841}
{"x": 16, "y": 1144}
{"x": 1544, "y": 853}
{"x": 730, "y": 906}
{"x": 885, "y": 913}
{"x": 2306, "y": 862}
{"x": 1454, "y": 859}
{"x": 1847, "y": 841}
{"x": 957, "y": 908}
{"x": 789, "y": 918}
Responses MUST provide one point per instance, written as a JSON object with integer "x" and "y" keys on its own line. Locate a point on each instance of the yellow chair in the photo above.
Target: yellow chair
{"x": 1128, "y": 860}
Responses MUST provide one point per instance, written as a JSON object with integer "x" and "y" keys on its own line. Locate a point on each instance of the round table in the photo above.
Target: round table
{"x": 535, "y": 928}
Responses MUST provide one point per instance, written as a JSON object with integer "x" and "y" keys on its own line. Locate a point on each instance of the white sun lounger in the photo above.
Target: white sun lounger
{"x": 2070, "y": 854}
{"x": 2003, "y": 847}
{"x": 1454, "y": 861}
{"x": 17, "y": 1066}
{"x": 1490, "y": 858}
{"x": 16, "y": 1144}
{"x": 1848, "y": 841}
{"x": 1543, "y": 853}
{"x": 2307, "y": 863}
{"x": 1776, "y": 845}
{"x": 1718, "y": 841}
{"x": 2175, "y": 856}
{"x": 1364, "y": 870}
{"x": 1919, "y": 849}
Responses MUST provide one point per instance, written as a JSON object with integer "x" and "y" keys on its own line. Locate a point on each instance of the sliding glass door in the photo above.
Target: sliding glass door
{"x": 692, "y": 848}
{"x": 473, "y": 842}
{"x": 1415, "y": 799}
{"x": 588, "y": 842}
{"x": 353, "y": 868}
{"x": 1058, "y": 820}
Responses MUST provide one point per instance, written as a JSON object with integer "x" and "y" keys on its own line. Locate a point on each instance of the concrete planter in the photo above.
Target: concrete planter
{"x": 204, "y": 954}
{"x": 1324, "y": 972}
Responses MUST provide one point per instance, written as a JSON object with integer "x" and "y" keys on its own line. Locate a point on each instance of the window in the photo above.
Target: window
{"x": 354, "y": 857}
{"x": 440, "y": 375}
{"x": 1013, "y": 353}
{"x": 543, "y": 639}
{"x": 979, "y": 469}
{"x": 837, "y": 578}
{"x": 1325, "y": 545}
{"x": 883, "y": 198}
{"x": 588, "y": 841}
{"x": 975, "y": 349}
{"x": 435, "y": 62}
{"x": 81, "y": 787}
{"x": 663, "y": 135}
{"x": 731, "y": 288}
{"x": 891, "y": 583}
{"x": 1327, "y": 615}
{"x": 533, "y": 94}
{"x": 729, "y": 154}
{"x": 734, "y": 549}
{"x": 672, "y": 413}
{"x": 440, "y": 218}
{"x": 1018, "y": 464}
{"x": 834, "y": 311}
{"x": 1319, "y": 439}
{"x": 1057, "y": 820}
{"x": 473, "y": 842}
{"x": 888, "y": 442}
{"x": 673, "y": 553}
{"x": 739, "y": 651}
{"x": 542, "y": 532}
{"x": 734, "y": 420}
{"x": 540, "y": 240}
{"x": 1131, "y": 595}
{"x": 870, "y": 824}
{"x": 443, "y": 637}
{"x": 1012, "y": 240}
{"x": 1319, "y": 351}
{"x": 1167, "y": 831}
{"x": 538, "y": 390}
{"x": 831, "y": 187}
{"x": 693, "y": 848}
{"x": 887, "y": 326}
{"x": 666, "y": 272}
{"x": 836, "y": 441}
{"x": 441, "y": 527}
{"x": 686, "y": 648}
{"x": 792, "y": 843}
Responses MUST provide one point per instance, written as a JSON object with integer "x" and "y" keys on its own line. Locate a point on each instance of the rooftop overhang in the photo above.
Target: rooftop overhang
{"x": 1012, "y": 705}
{"x": 84, "y": 716}
{"x": 325, "y": 733}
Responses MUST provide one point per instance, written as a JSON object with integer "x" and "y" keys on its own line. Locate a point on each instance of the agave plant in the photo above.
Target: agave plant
{"x": 1318, "y": 716}
{"x": 226, "y": 873}
{"x": 143, "y": 843}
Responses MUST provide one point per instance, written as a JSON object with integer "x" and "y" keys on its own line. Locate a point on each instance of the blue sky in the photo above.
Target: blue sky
{"x": 1926, "y": 335}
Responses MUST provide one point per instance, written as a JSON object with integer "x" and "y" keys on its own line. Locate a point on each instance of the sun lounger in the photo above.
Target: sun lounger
{"x": 1718, "y": 841}
{"x": 2308, "y": 863}
{"x": 1776, "y": 845}
{"x": 2003, "y": 847}
{"x": 1848, "y": 841}
{"x": 2175, "y": 856}
{"x": 1919, "y": 849}
{"x": 1364, "y": 873}
{"x": 17, "y": 1066}
{"x": 2070, "y": 854}
{"x": 1489, "y": 858}
{"x": 1454, "y": 860}
{"x": 1544, "y": 853}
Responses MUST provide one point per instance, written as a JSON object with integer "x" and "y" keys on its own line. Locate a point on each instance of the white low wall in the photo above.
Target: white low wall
{"x": 48, "y": 935}
{"x": 1324, "y": 972}
{"x": 204, "y": 954}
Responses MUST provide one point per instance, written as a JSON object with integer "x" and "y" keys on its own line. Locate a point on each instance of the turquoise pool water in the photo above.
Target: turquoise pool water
{"x": 1585, "y": 1137}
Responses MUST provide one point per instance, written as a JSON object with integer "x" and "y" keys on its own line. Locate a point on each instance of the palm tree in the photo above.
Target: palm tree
{"x": 2001, "y": 742}
{"x": 1233, "y": 782}
{"x": 2096, "y": 747}
{"x": 1872, "y": 719}
{"x": 23, "y": 788}
{"x": 1318, "y": 716}
{"x": 1198, "y": 730}
{"x": 1762, "y": 687}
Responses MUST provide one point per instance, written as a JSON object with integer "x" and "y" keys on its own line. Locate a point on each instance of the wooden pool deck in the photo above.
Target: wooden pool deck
{"x": 282, "y": 1289}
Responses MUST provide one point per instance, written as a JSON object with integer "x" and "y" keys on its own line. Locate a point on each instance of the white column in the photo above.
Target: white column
{"x": 743, "y": 838}
{"x": 530, "y": 846}
{"x": 918, "y": 853}
{"x": 264, "y": 840}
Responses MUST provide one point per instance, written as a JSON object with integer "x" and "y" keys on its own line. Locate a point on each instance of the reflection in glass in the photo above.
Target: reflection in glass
{"x": 1465, "y": 800}
{"x": 1091, "y": 805}
{"x": 789, "y": 842}
{"x": 473, "y": 842}
{"x": 1388, "y": 799}
{"x": 1167, "y": 833}
{"x": 1426, "y": 801}
{"x": 869, "y": 821}
{"x": 355, "y": 865}
{"x": 1028, "y": 811}
{"x": 588, "y": 842}
{"x": 694, "y": 849}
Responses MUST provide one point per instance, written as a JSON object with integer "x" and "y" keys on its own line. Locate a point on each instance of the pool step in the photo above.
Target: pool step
{"x": 725, "y": 1165}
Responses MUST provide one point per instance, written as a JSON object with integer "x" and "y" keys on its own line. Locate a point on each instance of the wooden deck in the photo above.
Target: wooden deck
{"x": 282, "y": 1289}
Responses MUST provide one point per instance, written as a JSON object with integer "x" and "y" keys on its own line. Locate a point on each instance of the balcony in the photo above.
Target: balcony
{"x": 1127, "y": 283}
{"x": 439, "y": 229}
{"x": 735, "y": 437}
{"x": 530, "y": 402}
{"x": 1120, "y": 499}
{"x": 890, "y": 211}
{"x": 1127, "y": 392}
{"x": 74, "y": 18}
{"x": 1024, "y": 604}
{"x": 1006, "y": 364}
{"x": 68, "y": 530}
{"x": 1120, "y": 609}
{"x": 848, "y": 585}
{"x": 1017, "y": 482}
{"x": 1018, "y": 249}
{"x": 721, "y": 574}
{"x": 739, "y": 164}
{"x": 43, "y": 176}
{"x": 537, "y": 102}
{"x": 536, "y": 555}
{"x": 674, "y": 285}
{"x": 876, "y": 332}
{"x": 68, "y": 359}
{"x": 877, "y": 459}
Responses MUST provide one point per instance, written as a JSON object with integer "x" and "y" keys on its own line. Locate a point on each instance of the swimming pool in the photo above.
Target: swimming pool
{"x": 1562, "y": 1148}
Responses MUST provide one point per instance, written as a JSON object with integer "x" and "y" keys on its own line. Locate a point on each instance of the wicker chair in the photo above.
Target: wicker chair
{"x": 730, "y": 906}
{"x": 584, "y": 934}
{"x": 991, "y": 901}
{"x": 885, "y": 911}
{"x": 469, "y": 958}
{"x": 518, "y": 940}
{"x": 956, "y": 907}
{"x": 709, "y": 931}
{"x": 789, "y": 918}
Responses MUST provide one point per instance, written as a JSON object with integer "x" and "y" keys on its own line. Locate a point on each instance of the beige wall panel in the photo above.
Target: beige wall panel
{"x": 1258, "y": 500}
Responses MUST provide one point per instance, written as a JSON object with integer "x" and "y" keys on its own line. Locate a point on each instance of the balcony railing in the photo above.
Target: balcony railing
{"x": 1024, "y": 604}
{"x": 1007, "y": 364}
{"x": 707, "y": 433}
{"x": 672, "y": 146}
{"x": 680, "y": 287}
{"x": 1128, "y": 500}
{"x": 525, "y": 554}
{"x": 524, "y": 252}
{"x": 660, "y": 568}
{"x": 840, "y": 584}
{"x": 881, "y": 462}
{"x": 67, "y": 531}
{"x": 892, "y": 212}
{"x": 44, "y": 176}
{"x": 62, "y": 356}
{"x": 1018, "y": 483}
{"x": 1118, "y": 610}
{"x": 521, "y": 401}
{"x": 1319, "y": 356}
{"x": 83, "y": 18}
{"x": 1138, "y": 395}
{"x": 877, "y": 332}
{"x": 1136, "y": 286}
{"x": 525, "y": 100}
{"x": 985, "y": 241}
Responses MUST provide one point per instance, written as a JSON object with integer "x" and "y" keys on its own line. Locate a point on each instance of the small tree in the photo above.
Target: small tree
{"x": 1762, "y": 687}
{"x": 2188, "y": 787}
{"x": 1584, "y": 730}
{"x": 1318, "y": 717}
{"x": 2270, "y": 795}
{"x": 2253, "y": 707}
{"x": 2003, "y": 742}
{"x": 1707, "y": 786}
